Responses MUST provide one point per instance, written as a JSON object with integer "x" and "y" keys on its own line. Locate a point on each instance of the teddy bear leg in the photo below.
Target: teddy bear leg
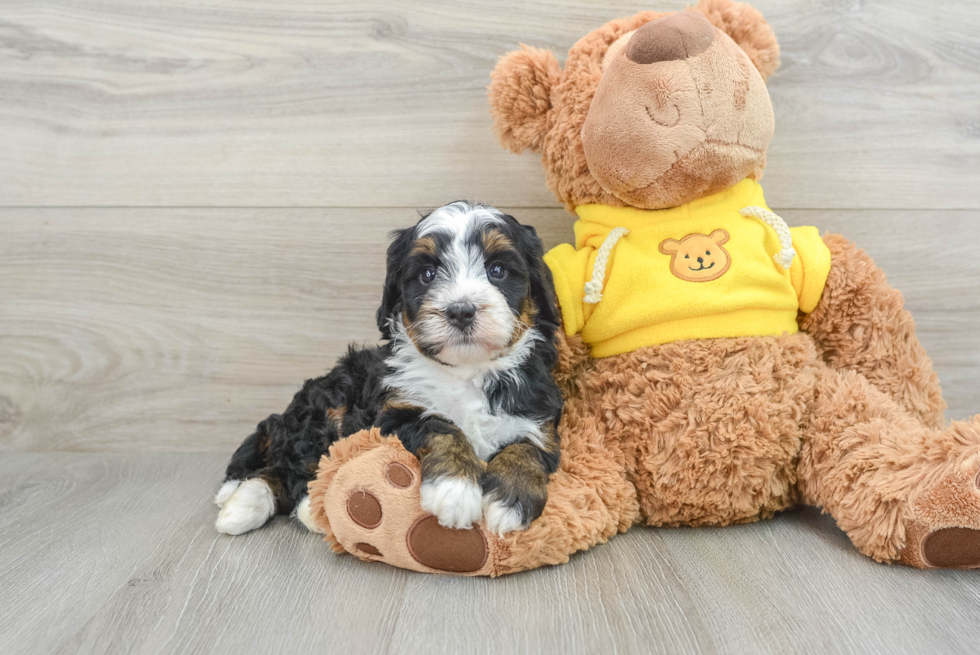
{"x": 903, "y": 492}
{"x": 861, "y": 325}
{"x": 366, "y": 501}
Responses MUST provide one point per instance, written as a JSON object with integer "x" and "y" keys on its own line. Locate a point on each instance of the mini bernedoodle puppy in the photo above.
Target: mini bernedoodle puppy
{"x": 468, "y": 321}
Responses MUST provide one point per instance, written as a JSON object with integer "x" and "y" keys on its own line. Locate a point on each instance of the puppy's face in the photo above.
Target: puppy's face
{"x": 465, "y": 284}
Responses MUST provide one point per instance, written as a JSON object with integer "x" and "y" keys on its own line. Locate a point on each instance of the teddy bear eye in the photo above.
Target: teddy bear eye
{"x": 707, "y": 252}
{"x": 687, "y": 256}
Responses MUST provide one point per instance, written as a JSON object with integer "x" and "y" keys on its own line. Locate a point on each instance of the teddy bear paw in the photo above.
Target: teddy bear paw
{"x": 945, "y": 530}
{"x": 372, "y": 507}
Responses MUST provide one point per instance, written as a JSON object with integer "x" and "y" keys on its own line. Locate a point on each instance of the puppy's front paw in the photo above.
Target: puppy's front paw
{"x": 456, "y": 502}
{"x": 502, "y": 518}
{"x": 512, "y": 497}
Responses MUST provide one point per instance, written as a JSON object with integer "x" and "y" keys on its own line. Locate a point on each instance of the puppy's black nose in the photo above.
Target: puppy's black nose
{"x": 460, "y": 314}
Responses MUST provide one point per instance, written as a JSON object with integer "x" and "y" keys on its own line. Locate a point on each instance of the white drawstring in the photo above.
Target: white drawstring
{"x": 593, "y": 288}
{"x": 785, "y": 256}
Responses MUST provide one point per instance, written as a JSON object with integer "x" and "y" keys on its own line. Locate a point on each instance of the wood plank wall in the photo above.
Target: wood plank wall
{"x": 195, "y": 197}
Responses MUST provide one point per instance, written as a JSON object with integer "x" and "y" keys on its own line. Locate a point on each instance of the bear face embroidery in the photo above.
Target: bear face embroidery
{"x": 698, "y": 257}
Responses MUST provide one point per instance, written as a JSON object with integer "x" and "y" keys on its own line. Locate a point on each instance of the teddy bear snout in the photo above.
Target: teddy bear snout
{"x": 671, "y": 38}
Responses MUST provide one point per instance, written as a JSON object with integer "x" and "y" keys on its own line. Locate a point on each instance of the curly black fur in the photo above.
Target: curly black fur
{"x": 286, "y": 448}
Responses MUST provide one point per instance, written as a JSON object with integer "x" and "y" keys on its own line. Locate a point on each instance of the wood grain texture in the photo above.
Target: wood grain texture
{"x": 116, "y": 553}
{"x": 165, "y": 330}
{"x": 381, "y": 103}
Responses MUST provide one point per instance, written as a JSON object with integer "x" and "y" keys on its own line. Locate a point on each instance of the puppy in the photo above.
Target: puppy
{"x": 468, "y": 321}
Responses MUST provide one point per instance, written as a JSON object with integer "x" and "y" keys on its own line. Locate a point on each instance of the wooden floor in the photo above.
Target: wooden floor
{"x": 116, "y": 553}
{"x": 194, "y": 203}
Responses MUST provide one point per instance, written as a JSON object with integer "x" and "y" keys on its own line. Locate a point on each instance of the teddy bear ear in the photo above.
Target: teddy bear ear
{"x": 520, "y": 97}
{"x": 747, "y": 28}
{"x": 669, "y": 246}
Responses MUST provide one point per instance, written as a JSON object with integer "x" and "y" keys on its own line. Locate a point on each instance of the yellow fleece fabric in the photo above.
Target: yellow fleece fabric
{"x": 656, "y": 290}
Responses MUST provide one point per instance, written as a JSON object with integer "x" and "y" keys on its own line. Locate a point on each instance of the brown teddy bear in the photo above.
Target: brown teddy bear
{"x": 718, "y": 366}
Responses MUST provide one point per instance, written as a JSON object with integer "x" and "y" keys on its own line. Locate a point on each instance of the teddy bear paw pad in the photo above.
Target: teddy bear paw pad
{"x": 445, "y": 549}
{"x": 364, "y": 509}
{"x": 954, "y": 548}
{"x": 370, "y": 506}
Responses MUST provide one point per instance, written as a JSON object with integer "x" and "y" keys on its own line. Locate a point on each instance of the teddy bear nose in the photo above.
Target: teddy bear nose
{"x": 671, "y": 38}
{"x": 700, "y": 260}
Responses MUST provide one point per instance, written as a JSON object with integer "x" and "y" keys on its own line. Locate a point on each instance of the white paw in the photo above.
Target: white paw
{"x": 249, "y": 507}
{"x": 501, "y": 519}
{"x": 456, "y": 502}
{"x": 305, "y": 515}
{"x": 225, "y": 492}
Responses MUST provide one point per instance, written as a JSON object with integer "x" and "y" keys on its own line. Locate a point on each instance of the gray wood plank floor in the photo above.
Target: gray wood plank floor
{"x": 116, "y": 553}
{"x": 194, "y": 202}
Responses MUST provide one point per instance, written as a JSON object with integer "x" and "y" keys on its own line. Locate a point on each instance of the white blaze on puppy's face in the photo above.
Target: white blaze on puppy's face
{"x": 461, "y": 279}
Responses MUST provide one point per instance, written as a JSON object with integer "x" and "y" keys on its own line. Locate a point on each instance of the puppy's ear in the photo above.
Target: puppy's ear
{"x": 391, "y": 298}
{"x": 542, "y": 286}
{"x": 520, "y": 97}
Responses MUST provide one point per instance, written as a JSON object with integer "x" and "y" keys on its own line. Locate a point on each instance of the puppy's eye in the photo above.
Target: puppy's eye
{"x": 427, "y": 275}
{"x": 497, "y": 272}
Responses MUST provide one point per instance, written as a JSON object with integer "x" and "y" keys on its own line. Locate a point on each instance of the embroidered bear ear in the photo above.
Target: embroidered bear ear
{"x": 669, "y": 246}
{"x": 720, "y": 237}
{"x": 520, "y": 97}
{"x": 747, "y": 28}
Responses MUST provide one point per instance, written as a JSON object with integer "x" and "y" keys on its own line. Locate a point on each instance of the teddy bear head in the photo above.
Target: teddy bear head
{"x": 651, "y": 111}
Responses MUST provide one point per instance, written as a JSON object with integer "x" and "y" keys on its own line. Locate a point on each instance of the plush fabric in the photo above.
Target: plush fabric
{"x": 840, "y": 409}
{"x": 650, "y": 293}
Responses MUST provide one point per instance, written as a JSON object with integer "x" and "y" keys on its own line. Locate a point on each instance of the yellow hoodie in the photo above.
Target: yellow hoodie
{"x": 711, "y": 268}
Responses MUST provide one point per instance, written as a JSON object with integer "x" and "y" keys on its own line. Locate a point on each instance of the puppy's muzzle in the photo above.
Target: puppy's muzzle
{"x": 460, "y": 314}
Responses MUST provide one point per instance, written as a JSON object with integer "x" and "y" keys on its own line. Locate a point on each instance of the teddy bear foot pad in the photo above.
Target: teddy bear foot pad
{"x": 937, "y": 537}
{"x": 379, "y": 518}
{"x": 952, "y": 548}
{"x": 427, "y": 542}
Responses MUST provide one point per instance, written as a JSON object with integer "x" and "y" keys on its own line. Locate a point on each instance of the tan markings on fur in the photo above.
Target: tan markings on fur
{"x": 424, "y": 246}
{"x": 525, "y": 321}
{"x": 551, "y": 442}
{"x": 449, "y": 455}
{"x": 275, "y": 485}
{"x": 495, "y": 241}
{"x": 336, "y": 416}
{"x": 396, "y": 404}
{"x": 518, "y": 471}
{"x": 412, "y": 331}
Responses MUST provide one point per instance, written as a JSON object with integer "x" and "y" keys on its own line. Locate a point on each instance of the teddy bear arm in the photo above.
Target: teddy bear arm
{"x": 860, "y": 324}
{"x": 365, "y": 500}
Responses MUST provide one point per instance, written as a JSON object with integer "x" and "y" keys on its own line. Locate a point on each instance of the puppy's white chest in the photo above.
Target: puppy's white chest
{"x": 466, "y": 405}
{"x": 462, "y": 400}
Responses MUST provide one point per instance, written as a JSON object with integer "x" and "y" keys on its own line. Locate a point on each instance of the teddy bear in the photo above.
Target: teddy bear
{"x": 718, "y": 366}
